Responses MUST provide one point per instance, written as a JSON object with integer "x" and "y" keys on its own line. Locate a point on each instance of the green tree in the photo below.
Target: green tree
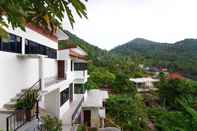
{"x": 122, "y": 84}
{"x": 101, "y": 76}
{"x": 172, "y": 90}
{"x": 128, "y": 112}
{"x": 45, "y": 13}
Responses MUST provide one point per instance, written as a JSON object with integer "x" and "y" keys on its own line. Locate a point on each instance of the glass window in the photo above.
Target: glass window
{"x": 11, "y": 44}
{"x": 80, "y": 66}
{"x": 36, "y": 48}
{"x": 64, "y": 96}
{"x": 79, "y": 89}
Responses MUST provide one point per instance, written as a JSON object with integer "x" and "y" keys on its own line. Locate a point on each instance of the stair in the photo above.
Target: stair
{"x": 11, "y": 105}
{"x": 6, "y": 111}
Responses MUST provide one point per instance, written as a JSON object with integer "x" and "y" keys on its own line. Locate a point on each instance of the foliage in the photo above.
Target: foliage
{"x": 171, "y": 120}
{"x": 172, "y": 90}
{"x": 81, "y": 128}
{"x": 126, "y": 108}
{"x": 43, "y": 13}
{"x": 101, "y": 76}
{"x": 180, "y": 56}
{"x": 52, "y": 123}
{"x": 28, "y": 101}
{"x": 131, "y": 114}
{"x": 122, "y": 84}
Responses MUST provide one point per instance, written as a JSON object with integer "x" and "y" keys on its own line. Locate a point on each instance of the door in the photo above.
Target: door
{"x": 61, "y": 69}
{"x": 87, "y": 117}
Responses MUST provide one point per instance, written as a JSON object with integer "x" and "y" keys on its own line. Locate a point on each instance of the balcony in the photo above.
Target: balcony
{"x": 80, "y": 76}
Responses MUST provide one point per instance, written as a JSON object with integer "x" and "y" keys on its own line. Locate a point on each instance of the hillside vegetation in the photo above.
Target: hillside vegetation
{"x": 180, "y": 56}
{"x": 172, "y": 108}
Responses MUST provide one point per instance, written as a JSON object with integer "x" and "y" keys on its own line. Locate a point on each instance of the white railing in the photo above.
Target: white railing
{"x": 80, "y": 74}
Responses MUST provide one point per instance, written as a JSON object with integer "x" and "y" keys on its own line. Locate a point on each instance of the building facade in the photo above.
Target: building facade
{"x": 31, "y": 59}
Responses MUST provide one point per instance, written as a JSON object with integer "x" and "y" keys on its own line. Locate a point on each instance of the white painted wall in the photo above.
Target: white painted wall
{"x": 17, "y": 73}
{"x": 95, "y": 120}
{"x": 50, "y": 68}
{"x": 52, "y": 102}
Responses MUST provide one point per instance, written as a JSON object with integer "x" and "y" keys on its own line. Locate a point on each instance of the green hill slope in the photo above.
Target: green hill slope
{"x": 180, "y": 56}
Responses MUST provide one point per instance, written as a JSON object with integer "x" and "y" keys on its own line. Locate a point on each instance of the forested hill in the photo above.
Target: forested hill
{"x": 94, "y": 52}
{"x": 180, "y": 56}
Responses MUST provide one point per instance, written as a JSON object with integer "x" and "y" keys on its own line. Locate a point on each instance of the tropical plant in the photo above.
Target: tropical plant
{"x": 172, "y": 90}
{"x": 28, "y": 101}
{"x": 81, "y": 128}
{"x": 43, "y": 13}
{"x": 51, "y": 123}
{"x": 131, "y": 112}
{"x": 122, "y": 84}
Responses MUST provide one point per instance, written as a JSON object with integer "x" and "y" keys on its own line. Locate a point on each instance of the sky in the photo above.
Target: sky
{"x": 114, "y": 22}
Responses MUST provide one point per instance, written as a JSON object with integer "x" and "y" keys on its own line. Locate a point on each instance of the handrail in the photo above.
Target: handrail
{"x": 39, "y": 81}
{"x": 19, "y": 117}
{"x": 76, "y": 110}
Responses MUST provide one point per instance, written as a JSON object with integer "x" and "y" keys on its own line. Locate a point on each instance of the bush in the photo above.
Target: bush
{"x": 128, "y": 112}
{"x": 122, "y": 85}
{"x": 52, "y": 123}
{"x": 81, "y": 128}
{"x": 172, "y": 90}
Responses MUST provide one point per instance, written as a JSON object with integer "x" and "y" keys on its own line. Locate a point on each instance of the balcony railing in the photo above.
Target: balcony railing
{"x": 74, "y": 115}
{"x": 21, "y": 116}
{"x": 80, "y": 74}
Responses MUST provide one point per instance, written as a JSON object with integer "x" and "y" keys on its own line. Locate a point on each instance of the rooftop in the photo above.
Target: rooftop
{"x": 143, "y": 80}
{"x": 95, "y": 98}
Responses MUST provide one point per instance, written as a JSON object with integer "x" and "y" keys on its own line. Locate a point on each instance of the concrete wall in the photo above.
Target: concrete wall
{"x": 52, "y": 102}
{"x": 17, "y": 73}
{"x": 50, "y": 68}
{"x": 95, "y": 120}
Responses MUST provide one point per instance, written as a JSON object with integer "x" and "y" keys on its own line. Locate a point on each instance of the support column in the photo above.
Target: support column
{"x": 23, "y": 45}
{"x": 41, "y": 71}
{"x": 41, "y": 77}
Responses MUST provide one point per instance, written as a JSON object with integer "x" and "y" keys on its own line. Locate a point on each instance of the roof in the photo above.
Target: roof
{"x": 42, "y": 31}
{"x": 77, "y": 52}
{"x": 176, "y": 76}
{"x": 143, "y": 80}
{"x": 95, "y": 98}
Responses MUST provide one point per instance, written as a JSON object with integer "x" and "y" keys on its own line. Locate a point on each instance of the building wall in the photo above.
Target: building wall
{"x": 50, "y": 68}
{"x": 18, "y": 73}
{"x": 95, "y": 120}
{"x": 52, "y": 102}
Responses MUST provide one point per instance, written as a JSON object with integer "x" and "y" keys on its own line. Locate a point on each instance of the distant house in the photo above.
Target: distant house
{"x": 144, "y": 84}
{"x": 176, "y": 76}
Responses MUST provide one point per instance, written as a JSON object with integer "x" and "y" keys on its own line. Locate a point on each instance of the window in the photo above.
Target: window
{"x": 64, "y": 96}
{"x": 71, "y": 65}
{"x": 79, "y": 89}
{"x": 32, "y": 47}
{"x": 12, "y": 44}
{"x": 80, "y": 66}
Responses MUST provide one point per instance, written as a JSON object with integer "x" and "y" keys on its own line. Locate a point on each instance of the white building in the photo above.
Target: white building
{"x": 31, "y": 59}
{"x": 144, "y": 84}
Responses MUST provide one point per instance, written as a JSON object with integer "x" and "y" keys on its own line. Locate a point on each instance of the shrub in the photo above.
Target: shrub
{"x": 52, "y": 123}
